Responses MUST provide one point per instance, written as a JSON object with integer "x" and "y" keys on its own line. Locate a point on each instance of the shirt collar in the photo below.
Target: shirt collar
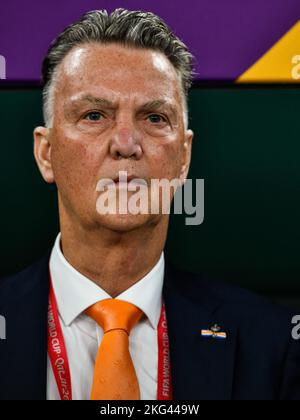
{"x": 75, "y": 293}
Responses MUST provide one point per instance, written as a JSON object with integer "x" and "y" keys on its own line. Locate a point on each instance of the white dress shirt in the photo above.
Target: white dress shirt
{"x": 74, "y": 294}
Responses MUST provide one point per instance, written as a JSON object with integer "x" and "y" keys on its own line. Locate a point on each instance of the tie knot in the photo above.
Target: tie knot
{"x": 115, "y": 314}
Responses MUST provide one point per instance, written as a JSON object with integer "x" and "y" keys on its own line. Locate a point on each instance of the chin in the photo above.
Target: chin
{"x": 124, "y": 222}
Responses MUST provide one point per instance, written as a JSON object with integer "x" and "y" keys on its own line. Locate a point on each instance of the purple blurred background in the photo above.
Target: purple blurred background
{"x": 226, "y": 37}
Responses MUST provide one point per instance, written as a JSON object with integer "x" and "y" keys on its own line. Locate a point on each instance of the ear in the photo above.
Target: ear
{"x": 42, "y": 152}
{"x": 187, "y": 152}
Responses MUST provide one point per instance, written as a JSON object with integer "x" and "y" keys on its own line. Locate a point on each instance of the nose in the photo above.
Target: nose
{"x": 125, "y": 143}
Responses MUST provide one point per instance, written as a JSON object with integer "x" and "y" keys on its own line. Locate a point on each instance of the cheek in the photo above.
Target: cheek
{"x": 165, "y": 160}
{"x": 74, "y": 164}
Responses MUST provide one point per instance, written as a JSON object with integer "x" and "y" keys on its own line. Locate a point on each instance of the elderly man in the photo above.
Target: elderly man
{"x": 102, "y": 316}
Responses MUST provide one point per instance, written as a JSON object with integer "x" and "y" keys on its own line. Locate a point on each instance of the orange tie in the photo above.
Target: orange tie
{"x": 114, "y": 374}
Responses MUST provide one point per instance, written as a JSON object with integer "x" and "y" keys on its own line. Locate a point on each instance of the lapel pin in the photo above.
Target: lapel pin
{"x": 214, "y": 332}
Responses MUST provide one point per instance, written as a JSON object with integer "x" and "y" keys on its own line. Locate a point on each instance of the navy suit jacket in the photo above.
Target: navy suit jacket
{"x": 258, "y": 360}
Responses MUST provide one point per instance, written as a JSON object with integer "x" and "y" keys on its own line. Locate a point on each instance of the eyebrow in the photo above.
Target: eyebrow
{"x": 156, "y": 105}
{"x": 150, "y": 106}
{"x": 95, "y": 101}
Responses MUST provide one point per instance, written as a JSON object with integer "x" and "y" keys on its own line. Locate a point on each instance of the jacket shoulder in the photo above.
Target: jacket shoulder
{"x": 237, "y": 300}
{"x": 14, "y": 286}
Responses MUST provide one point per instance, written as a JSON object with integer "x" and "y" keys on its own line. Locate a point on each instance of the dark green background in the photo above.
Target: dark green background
{"x": 246, "y": 148}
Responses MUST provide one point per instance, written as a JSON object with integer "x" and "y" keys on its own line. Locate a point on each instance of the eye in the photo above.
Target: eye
{"x": 156, "y": 119}
{"x": 93, "y": 116}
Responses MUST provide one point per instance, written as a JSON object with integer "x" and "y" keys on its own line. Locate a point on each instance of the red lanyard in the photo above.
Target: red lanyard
{"x": 60, "y": 363}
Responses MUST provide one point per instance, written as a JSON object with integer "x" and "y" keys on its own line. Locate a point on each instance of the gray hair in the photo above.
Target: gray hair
{"x": 130, "y": 28}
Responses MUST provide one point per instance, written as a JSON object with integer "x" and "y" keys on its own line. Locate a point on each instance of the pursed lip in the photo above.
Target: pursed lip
{"x": 128, "y": 179}
{"x": 121, "y": 182}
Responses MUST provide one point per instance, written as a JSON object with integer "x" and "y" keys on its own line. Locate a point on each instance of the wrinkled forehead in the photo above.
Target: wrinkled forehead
{"x": 119, "y": 71}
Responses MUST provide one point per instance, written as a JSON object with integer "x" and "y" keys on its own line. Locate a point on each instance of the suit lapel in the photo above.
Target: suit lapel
{"x": 24, "y": 352}
{"x": 202, "y": 368}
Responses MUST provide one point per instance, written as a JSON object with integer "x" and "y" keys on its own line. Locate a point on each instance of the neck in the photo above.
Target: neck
{"x": 113, "y": 260}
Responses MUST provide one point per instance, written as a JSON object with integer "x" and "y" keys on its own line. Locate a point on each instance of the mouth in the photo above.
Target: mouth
{"x": 122, "y": 181}
{"x": 125, "y": 180}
